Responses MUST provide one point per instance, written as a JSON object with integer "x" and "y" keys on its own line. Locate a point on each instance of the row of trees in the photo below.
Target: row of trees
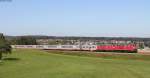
{"x": 31, "y": 40}
{"x": 84, "y": 38}
{"x": 4, "y": 46}
{"x": 23, "y": 40}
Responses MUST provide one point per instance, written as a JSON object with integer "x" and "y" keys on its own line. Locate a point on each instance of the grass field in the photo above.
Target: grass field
{"x": 39, "y": 64}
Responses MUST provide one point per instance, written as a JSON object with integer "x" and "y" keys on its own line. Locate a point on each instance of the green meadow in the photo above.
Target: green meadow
{"x": 26, "y": 63}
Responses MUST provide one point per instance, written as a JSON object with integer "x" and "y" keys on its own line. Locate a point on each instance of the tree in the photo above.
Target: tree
{"x": 4, "y": 46}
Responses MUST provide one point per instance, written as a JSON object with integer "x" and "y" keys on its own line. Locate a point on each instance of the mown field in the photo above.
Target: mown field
{"x": 27, "y": 63}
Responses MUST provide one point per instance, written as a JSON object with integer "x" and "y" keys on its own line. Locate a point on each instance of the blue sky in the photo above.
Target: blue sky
{"x": 76, "y": 17}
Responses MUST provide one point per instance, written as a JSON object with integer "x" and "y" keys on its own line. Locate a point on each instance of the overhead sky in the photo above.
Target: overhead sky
{"x": 123, "y": 18}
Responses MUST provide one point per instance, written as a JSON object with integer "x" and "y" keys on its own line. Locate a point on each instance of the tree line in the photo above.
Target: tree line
{"x": 81, "y": 38}
{"x": 23, "y": 40}
{"x": 31, "y": 39}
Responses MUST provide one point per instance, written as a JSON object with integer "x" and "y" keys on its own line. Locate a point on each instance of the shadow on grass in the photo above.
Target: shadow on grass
{"x": 8, "y": 59}
{"x": 11, "y": 59}
{"x": 1, "y": 63}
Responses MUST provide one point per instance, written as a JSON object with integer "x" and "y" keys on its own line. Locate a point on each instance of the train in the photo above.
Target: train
{"x": 124, "y": 48}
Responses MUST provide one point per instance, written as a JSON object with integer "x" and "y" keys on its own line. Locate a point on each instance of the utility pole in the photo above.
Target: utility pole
{"x": 80, "y": 44}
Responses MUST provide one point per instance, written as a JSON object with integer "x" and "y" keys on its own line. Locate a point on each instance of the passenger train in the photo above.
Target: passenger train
{"x": 128, "y": 48}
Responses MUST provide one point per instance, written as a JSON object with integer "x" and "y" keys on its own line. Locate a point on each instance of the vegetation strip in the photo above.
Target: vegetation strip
{"x": 107, "y": 55}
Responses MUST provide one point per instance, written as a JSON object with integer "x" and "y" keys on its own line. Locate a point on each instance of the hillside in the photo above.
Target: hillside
{"x": 40, "y": 64}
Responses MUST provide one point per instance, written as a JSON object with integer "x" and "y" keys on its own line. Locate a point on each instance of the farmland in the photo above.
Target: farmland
{"x": 28, "y": 63}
